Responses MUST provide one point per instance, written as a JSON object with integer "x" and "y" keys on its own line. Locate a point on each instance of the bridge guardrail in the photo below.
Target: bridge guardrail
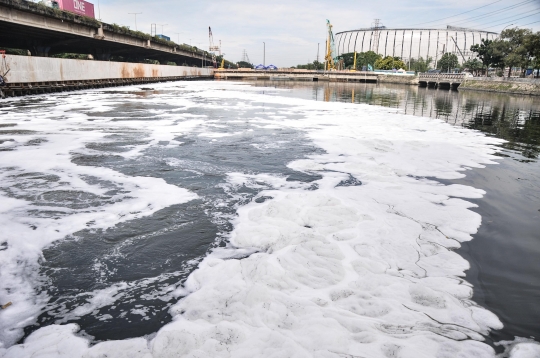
{"x": 441, "y": 76}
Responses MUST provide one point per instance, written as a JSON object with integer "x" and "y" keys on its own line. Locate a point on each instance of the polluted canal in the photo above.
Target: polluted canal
{"x": 270, "y": 218}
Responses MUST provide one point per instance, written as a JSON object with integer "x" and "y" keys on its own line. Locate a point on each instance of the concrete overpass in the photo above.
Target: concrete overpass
{"x": 46, "y": 31}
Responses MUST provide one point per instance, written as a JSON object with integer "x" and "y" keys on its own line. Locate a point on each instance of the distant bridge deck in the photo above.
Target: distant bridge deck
{"x": 46, "y": 31}
{"x": 441, "y": 80}
{"x": 332, "y": 76}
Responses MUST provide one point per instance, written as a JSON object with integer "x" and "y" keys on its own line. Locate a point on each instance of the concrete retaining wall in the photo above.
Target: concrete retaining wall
{"x": 295, "y": 75}
{"x": 405, "y": 80}
{"x": 528, "y": 86}
{"x": 28, "y": 69}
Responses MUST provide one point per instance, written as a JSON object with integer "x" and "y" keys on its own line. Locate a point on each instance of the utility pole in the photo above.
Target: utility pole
{"x": 134, "y": 13}
{"x": 178, "y": 34}
{"x": 317, "y": 67}
{"x": 162, "y": 26}
{"x": 264, "y": 54}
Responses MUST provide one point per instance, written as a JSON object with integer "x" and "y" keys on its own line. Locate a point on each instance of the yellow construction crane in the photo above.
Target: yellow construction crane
{"x": 330, "y": 56}
{"x": 353, "y": 69}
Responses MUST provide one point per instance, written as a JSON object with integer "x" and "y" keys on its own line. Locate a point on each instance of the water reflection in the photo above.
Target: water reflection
{"x": 511, "y": 117}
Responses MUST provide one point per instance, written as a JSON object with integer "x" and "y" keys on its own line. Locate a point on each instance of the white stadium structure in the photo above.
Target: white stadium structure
{"x": 412, "y": 43}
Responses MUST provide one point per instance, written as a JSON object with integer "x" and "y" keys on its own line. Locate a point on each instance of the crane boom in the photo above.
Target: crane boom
{"x": 463, "y": 57}
{"x": 330, "y": 48}
{"x": 211, "y": 47}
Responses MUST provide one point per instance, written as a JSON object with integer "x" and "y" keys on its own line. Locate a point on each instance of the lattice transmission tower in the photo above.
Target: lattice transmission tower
{"x": 376, "y": 26}
{"x": 245, "y": 57}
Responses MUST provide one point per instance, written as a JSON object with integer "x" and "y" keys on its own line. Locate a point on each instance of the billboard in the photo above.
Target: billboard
{"x": 79, "y": 7}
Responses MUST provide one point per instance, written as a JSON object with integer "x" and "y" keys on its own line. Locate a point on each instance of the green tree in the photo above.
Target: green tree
{"x": 512, "y": 45}
{"x": 473, "y": 65}
{"x": 366, "y": 58}
{"x": 421, "y": 65}
{"x": 532, "y": 43}
{"x": 389, "y": 63}
{"x": 348, "y": 59}
{"x": 362, "y": 59}
{"x": 227, "y": 64}
{"x": 486, "y": 53}
{"x": 244, "y": 64}
{"x": 318, "y": 65}
{"x": 315, "y": 65}
{"x": 448, "y": 62}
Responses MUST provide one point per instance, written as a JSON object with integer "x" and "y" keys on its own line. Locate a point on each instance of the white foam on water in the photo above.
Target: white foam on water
{"x": 362, "y": 265}
{"x": 520, "y": 348}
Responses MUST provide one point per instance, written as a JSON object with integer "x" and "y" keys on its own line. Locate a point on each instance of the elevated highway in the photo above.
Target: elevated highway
{"x": 46, "y": 31}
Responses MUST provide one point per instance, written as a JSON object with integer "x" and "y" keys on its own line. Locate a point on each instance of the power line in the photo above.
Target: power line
{"x": 493, "y": 12}
{"x": 444, "y": 18}
{"x": 511, "y": 20}
{"x": 507, "y": 18}
{"x": 530, "y": 23}
{"x": 506, "y": 22}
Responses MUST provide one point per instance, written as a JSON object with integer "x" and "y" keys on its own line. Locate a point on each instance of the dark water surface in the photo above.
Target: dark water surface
{"x": 505, "y": 253}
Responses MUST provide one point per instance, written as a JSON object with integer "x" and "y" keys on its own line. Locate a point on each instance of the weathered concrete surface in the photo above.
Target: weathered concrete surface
{"x": 527, "y": 86}
{"x": 404, "y": 80}
{"x": 332, "y": 76}
{"x": 27, "y": 69}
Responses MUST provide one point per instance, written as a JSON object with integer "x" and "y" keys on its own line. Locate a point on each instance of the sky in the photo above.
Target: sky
{"x": 292, "y": 30}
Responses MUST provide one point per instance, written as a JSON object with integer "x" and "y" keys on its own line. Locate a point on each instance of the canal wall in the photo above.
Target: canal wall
{"x": 527, "y": 86}
{"x": 295, "y": 75}
{"x": 30, "y": 75}
{"x": 397, "y": 79}
{"x": 29, "y": 69}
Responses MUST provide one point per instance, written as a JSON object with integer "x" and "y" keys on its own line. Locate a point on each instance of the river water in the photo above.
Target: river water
{"x": 348, "y": 207}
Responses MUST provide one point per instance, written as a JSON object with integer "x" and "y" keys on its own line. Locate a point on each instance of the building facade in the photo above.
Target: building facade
{"x": 412, "y": 43}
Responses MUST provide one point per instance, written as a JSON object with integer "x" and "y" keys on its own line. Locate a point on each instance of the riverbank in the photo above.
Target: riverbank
{"x": 526, "y": 86}
{"x": 401, "y": 80}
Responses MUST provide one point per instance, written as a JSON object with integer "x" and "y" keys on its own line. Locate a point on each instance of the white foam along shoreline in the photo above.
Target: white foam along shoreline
{"x": 365, "y": 270}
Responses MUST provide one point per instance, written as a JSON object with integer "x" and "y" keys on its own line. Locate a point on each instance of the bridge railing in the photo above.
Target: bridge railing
{"x": 441, "y": 76}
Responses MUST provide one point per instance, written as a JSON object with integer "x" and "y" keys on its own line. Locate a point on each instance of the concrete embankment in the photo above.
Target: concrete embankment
{"x": 29, "y": 75}
{"x": 404, "y": 80}
{"x": 528, "y": 86}
{"x": 296, "y": 75}
{"x": 306, "y": 75}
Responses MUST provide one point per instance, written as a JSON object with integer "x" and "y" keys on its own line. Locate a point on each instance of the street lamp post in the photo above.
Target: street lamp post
{"x": 264, "y": 54}
{"x": 134, "y": 13}
{"x": 504, "y": 28}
